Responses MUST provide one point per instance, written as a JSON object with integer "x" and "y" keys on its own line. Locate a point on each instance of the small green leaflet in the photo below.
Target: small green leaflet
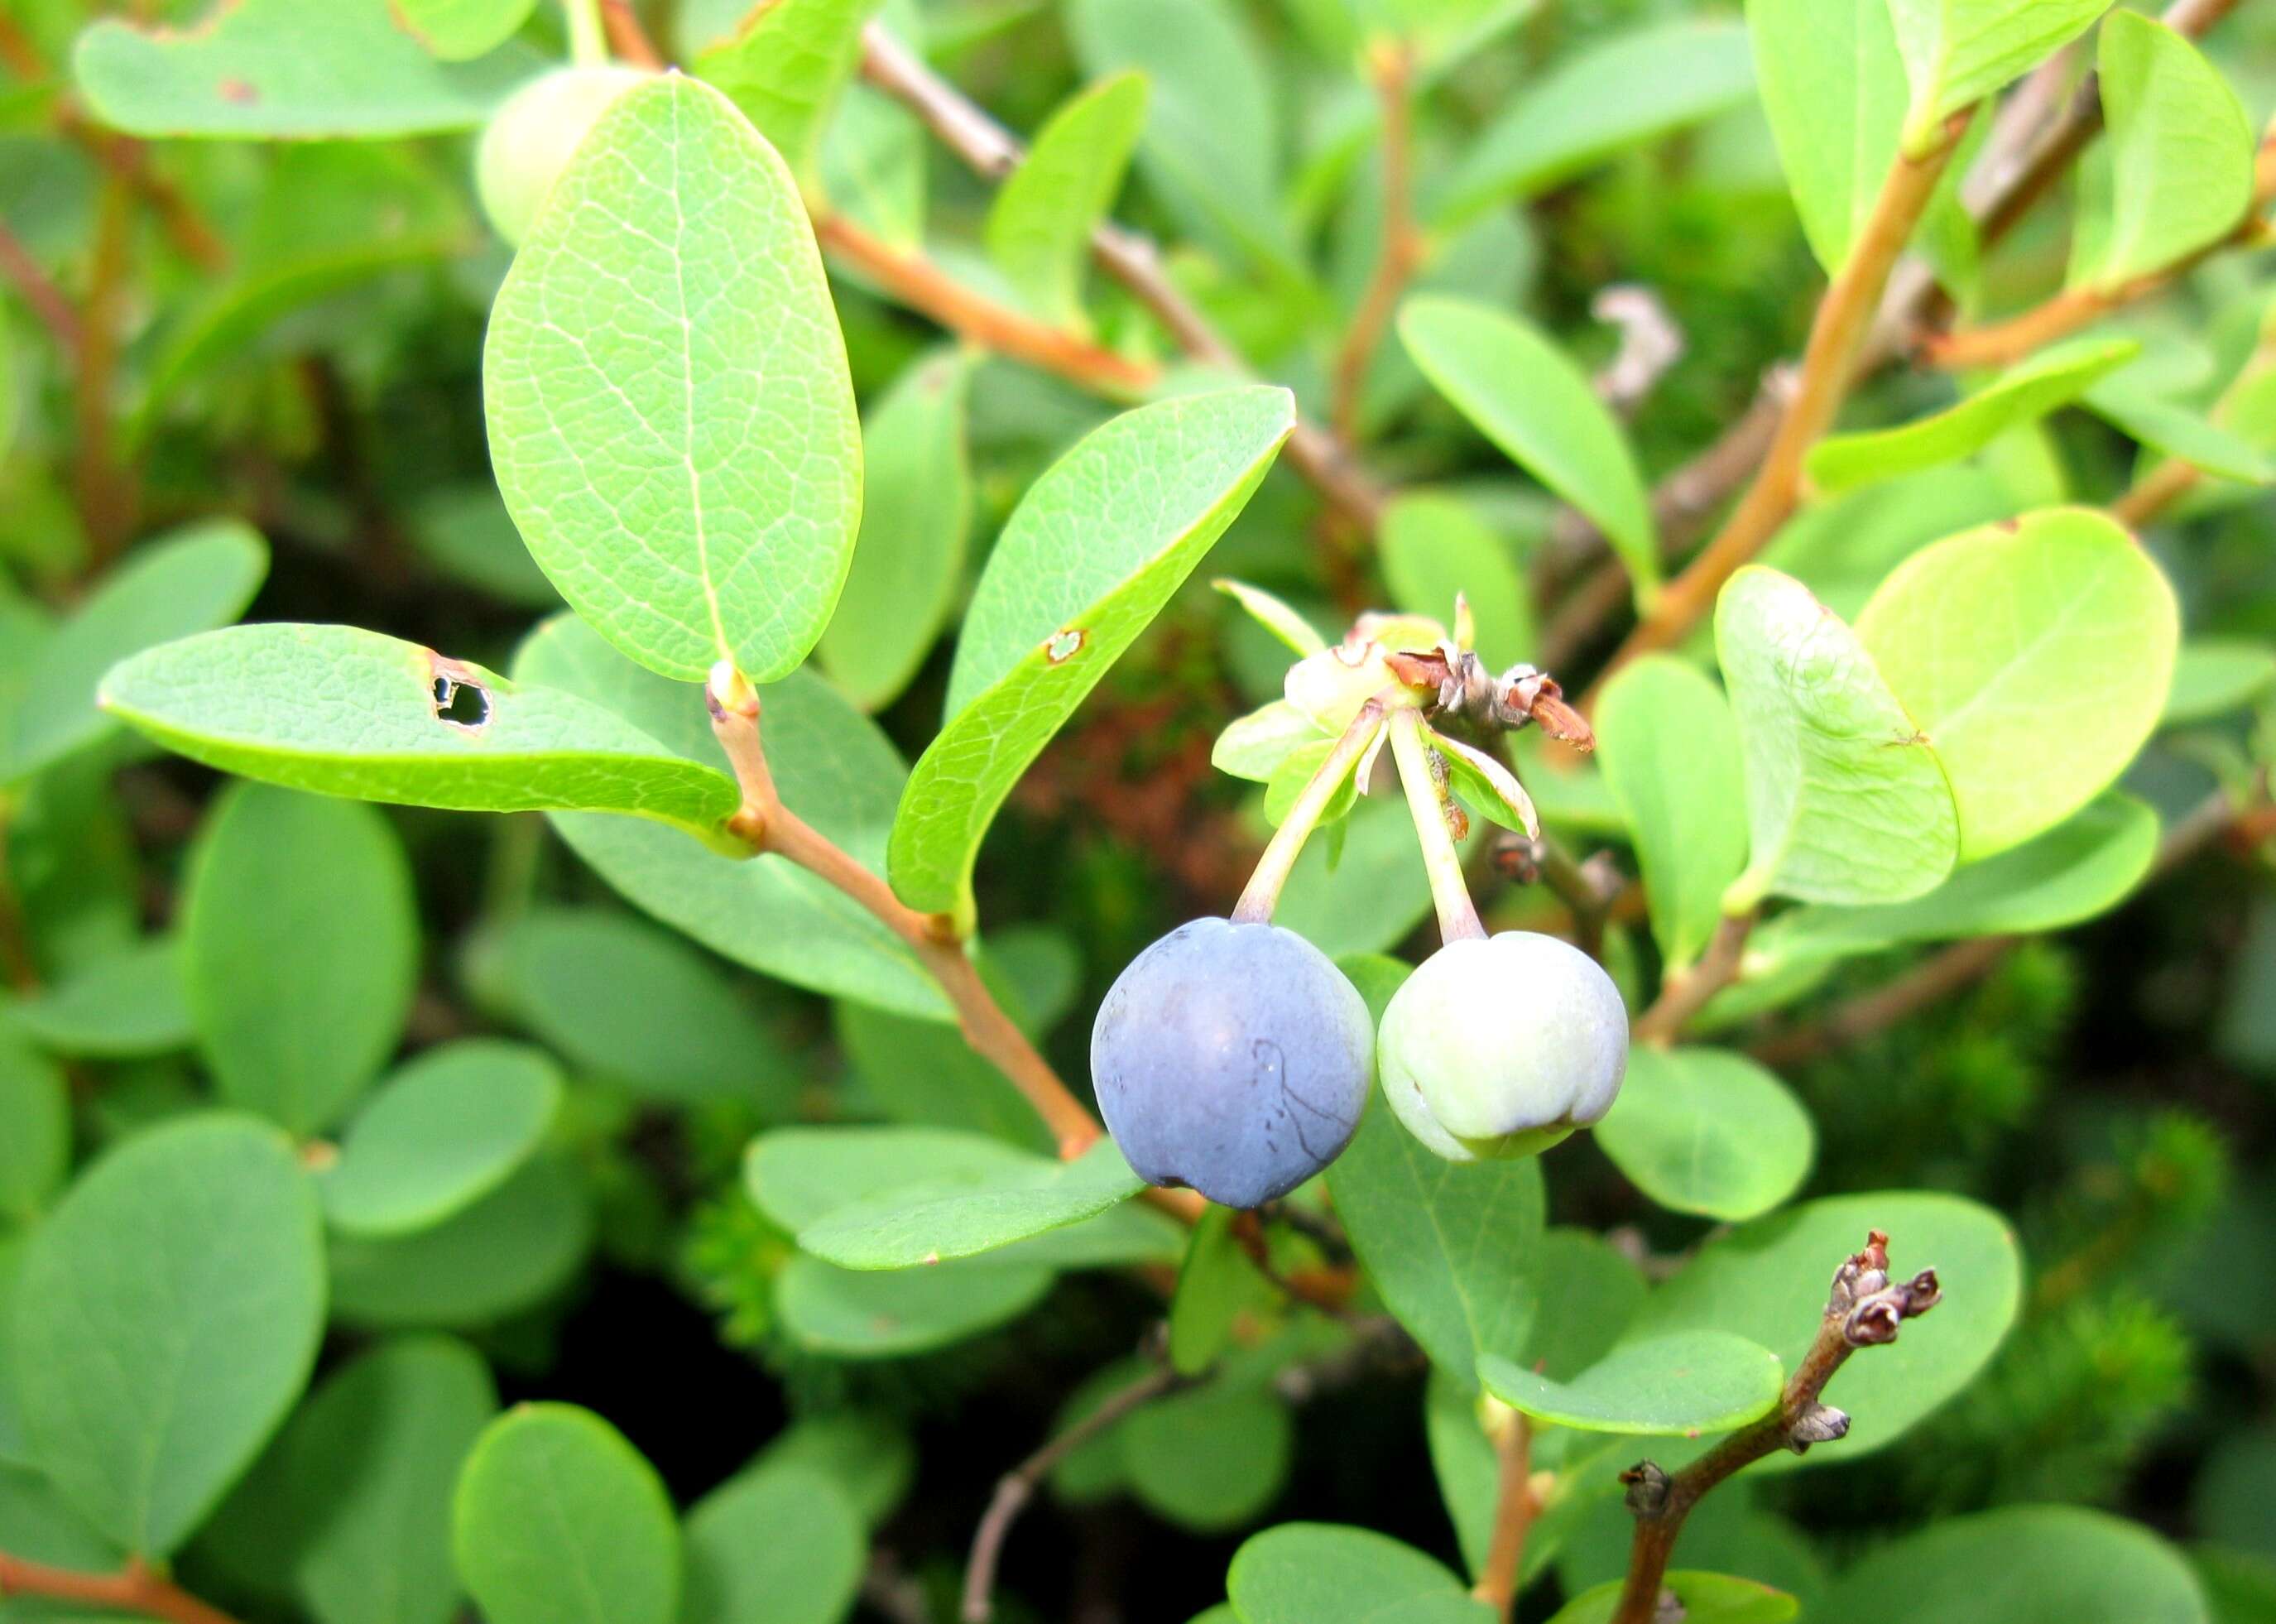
{"x": 1525, "y": 395}
{"x": 2023, "y": 394}
{"x": 1669, "y": 749}
{"x": 1211, "y": 1460}
{"x": 2022, "y": 1565}
{"x": 1846, "y": 803}
{"x": 458, "y": 29}
{"x": 916, "y": 508}
{"x": 263, "y": 68}
{"x": 1306, "y": 1572}
{"x": 558, "y": 1520}
{"x": 2036, "y": 655}
{"x": 785, "y": 66}
{"x": 1707, "y": 1131}
{"x": 1092, "y": 554}
{"x": 200, "y": 576}
{"x": 1685, "y": 1384}
{"x": 670, "y": 417}
{"x": 347, "y": 712}
{"x": 1834, "y": 90}
{"x": 1957, "y": 52}
{"x": 166, "y": 1318}
{"x": 931, "y": 1220}
{"x": 2181, "y": 155}
{"x": 1039, "y": 227}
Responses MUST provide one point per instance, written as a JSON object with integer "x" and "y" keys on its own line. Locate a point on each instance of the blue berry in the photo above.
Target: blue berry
{"x": 1235, "y": 1059}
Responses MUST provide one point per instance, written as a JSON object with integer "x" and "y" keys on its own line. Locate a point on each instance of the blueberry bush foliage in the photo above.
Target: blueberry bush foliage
{"x": 1298, "y": 850}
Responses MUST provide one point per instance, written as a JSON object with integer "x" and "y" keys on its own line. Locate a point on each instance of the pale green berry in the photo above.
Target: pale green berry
{"x": 529, "y": 140}
{"x": 1502, "y": 1046}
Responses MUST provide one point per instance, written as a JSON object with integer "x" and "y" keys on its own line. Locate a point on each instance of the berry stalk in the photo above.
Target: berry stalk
{"x": 1262, "y": 892}
{"x": 1426, "y": 801}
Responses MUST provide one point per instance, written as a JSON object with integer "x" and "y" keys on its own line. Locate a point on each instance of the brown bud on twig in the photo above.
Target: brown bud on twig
{"x": 1870, "y": 1307}
{"x": 1819, "y": 1424}
{"x": 1647, "y": 1488}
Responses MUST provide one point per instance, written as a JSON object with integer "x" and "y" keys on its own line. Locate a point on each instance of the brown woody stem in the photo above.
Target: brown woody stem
{"x": 1514, "y": 1510}
{"x": 1684, "y": 995}
{"x": 1392, "y": 66}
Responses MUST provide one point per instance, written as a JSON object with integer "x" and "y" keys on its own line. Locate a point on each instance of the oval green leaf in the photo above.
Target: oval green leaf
{"x": 440, "y": 1135}
{"x": 1683, "y": 1385}
{"x": 1706, "y": 1598}
{"x": 670, "y": 417}
{"x": 1525, "y": 395}
{"x": 458, "y": 29}
{"x": 1766, "y": 1282}
{"x": 34, "y": 1131}
{"x": 945, "y": 1216}
{"x": 1212, "y": 1458}
{"x": 1302, "y": 1572}
{"x": 1957, "y": 52}
{"x": 1707, "y": 1131}
{"x": 780, "y": 1543}
{"x": 2036, "y": 656}
{"x": 2213, "y": 676}
{"x": 1039, "y": 227}
{"x": 123, "y": 1005}
{"x": 505, "y": 1253}
{"x": 167, "y": 1317}
{"x": 1095, "y": 550}
{"x": 1435, "y": 546}
{"x": 1834, "y": 90}
{"x": 785, "y": 66}
{"x": 348, "y": 712}
{"x": 853, "y": 1314}
{"x": 1846, "y": 803}
{"x": 558, "y": 1520}
{"x": 2023, "y": 1565}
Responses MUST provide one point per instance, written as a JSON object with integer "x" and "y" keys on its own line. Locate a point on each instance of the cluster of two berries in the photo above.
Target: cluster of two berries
{"x": 1236, "y": 1057}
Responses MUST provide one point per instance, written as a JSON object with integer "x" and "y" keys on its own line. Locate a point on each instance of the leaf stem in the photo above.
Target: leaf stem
{"x": 588, "y": 45}
{"x": 1426, "y": 803}
{"x": 1390, "y": 66}
{"x": 1864, "y": 1308}
{"x": 1514, "y": 1510}
{"x": 136, "y": 1589}
{"x": 1844, "y": 315}
{"x": 1684, "y": 995}
{"x": 1262, "y": 893}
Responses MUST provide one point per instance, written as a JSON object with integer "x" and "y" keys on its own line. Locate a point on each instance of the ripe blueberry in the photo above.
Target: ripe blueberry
{"x": 529, "y": 140}
{"x": 1502, "y": 1046}
{"x": 1232, "y": 1058}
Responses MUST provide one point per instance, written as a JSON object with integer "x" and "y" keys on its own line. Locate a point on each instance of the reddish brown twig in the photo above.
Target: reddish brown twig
{"x": 39, "y": 293}
{"x": 1515, "y": 1508}
{"x": 1864, "y": 1309}
{"x": 1391, "y": 65}
{"x": 137, "y": 1590}
{"x": 1684, "y": 996}
{"x": 626, "y": 38}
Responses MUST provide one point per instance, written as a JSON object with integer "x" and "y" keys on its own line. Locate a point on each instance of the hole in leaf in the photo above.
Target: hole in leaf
{"x": 459, "y": 700}
{"x": 1064, "y": 646}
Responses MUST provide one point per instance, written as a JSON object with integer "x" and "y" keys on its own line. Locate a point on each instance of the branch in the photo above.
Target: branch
{"x": 626, "y": 38}
{"x": 2154, "y": 492}
{"x": 1515, "y": 1507}
{"x": 1827, "y": 367}
{"x": 1130, "y": 259}
{"x": 137, "y": 1590}
{"x": 1018, "y": 1486}
{"x": 37, "y": 292}
{"x": 916, "y": 281}
{"x": 1392, "y": 66}
{"x": 1682, "y": 997}
{"x": 1864, "y": 1309}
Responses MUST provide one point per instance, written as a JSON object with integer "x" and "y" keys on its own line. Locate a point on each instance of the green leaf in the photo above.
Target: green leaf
{"x": 1597, "y": 1292}
{"x": 1834, "y": 90}
{"x": 464, "y": 532}
{"x": 1683, "y": 1385}
{"x": 2181, "y": 152}
{"x": 260, "y": 68}
{"x": 1092, "y": 554}
{"x": 851, "y": 1314}
{"x": 1706, "y": 1598}
{"x": 2036, "y": 656}
{"x": 1525, "y": 395}
{"x": 123, "y": 1005}
{"x": 1217, "y": 1285}
{"x": 439, "y": 1135}
{"x": 1211, "y": 145}
{"x": 1766, "y": 1282}
{"x": 1304, "y": 1573}
{"x": 200, "y": 576}
{"x": 2140, "y": 414}
{"x": 957, "y": 1217}
{"x": 2023, "y": 1565}
{"x": 924, "y": 1073}
{"x": 916, "y": 511}
{"x": 832, "y": 766}
{"x": 317, "y": 894}
{"x": 1632, "y": 89}
{"x": 2213, "y": 676}
{"x": 1282, "y": 619}
{"x": 458, "y": 29}
{"x": 785, "y": 66}
{"x": 1669, "y": 749}
{"x": 670, "y": 417}
{"x": 2021, "y": 394}
{"x": 1957, "y": 52}
{"x": 348, "y": 712}
{"x": 867, "y": 1456}
{"x": 558, "y": 1520}
{"x": 166, "y": 1318}
{"x": 1213, "y": 1458}
{"x": 1707, "y": 1131}
{"x": 2084, "y": 866}
{"x": 34, "y": 1130}
{"x": 873, "y": 154}
{"x": 1845, "y": 801}
{"x": 631, "y": 1005}
{"x": 781, "y": 1543}
{"x": 1449, "y": 1245}
{"x": 351, "y": 1506}
{"x": 1255, "y": 746}
{"x": 505, "y": 1253}
{"x": 1039, "y": 227}
{"x": 1368, "y": 899}
{"x": 1434, "y": 546}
